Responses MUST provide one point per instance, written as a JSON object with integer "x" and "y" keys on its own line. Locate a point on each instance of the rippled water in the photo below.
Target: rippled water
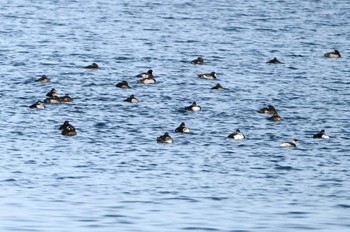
{"x": 113, "y": 176}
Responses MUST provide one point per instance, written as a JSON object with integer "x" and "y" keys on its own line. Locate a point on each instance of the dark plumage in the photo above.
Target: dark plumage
{"x": 321, "y": 135}
{"x": 193, "y": 107}
{"x": 274, "y": 61}
{"x": 270, "y": 109}
{"x": 66, "y": 98}
{"x": 218, "y": 87}
{"x": 38, "y": 105}
{"x": 335, "y": 54}
{"x": 67, "y": 129}
{"x": 123, "y": 85}
{"x": 275, "y": 117}
{"x": 131, "y": 99}
{"x": 199, "y": 60}
{"x": 52, "y": 93}
{"x": 182, "y": 128}
{"x": 166, "y": 138}
{"x": 43, "y": 79}
{"x": 92, "y": 66}
{"x": 210, "y": 76}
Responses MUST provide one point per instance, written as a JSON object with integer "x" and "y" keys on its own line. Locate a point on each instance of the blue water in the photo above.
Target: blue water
{"x": 113, "y": 176}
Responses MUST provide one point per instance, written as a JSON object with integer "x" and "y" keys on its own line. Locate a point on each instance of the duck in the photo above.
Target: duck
{"x": 182, "y": 128}
{"x": 52, "y": 93}
{"x": 209, "y": 76}
{"x": 193, "y": 107}
{"x": 64, "y": 125}
{"x": 275, "y": 117}
{"x": 293, "y": 143}
{"x": 43, "y": 79}
{"x": 335, "y": 54}
{"x": 131, "y": 99}
{"x": 67, "y": 129}
{"x": 147, "y": 74}
{"x": 274, "y": 61}
{"x": 148, "y": 80}
{"x": 217, "y": 87}
{"x": 166, "y": 138}
{"x": 321, "y": 135}
{"x": 199, "y": 60}
{"x": 66, "y": 98}
{"x": 270, "y": 109}
{"x": 52, "y": 100}
{"x": 92, "y": 66}
{"x": 236, "y": 135}
{"x": 37, "y": 105}
{"x": 123, "y": 85}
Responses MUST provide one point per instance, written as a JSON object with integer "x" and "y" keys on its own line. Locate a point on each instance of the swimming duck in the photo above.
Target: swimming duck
{"x": 270, "y": 109}
{"x": 182, "y": 128}
{"x": 321, "y": 135}
{"x": 148, "y": 80}
{"x": 147, "y": 74}
{"x": 293, "y": 143}
{"x": 274, "y": 61}
{"x": 43, "y": 79}
{"x": 64, "y": 125}
{"x": 53, "y": 100}
{"x": 335, "y": 54}
{"x": 166, "y": 138}
{"x": 218, "y": 87}
{"x": 275, "y": 117}
{"x": 193, "y": 107}
{"x": 210, "y": 76}
{"x": 92, "y": 66}
{"x": 67, "y": 129}
{"x": 38, "y": 105}
{"x": 66, "y": 98}
{"x": 52, "y": 93}
{"x": 123, "y": 85}
{"x": 199, "y": 60}
{"x": 131, "y": 99}
{"x": 236, "y": 135}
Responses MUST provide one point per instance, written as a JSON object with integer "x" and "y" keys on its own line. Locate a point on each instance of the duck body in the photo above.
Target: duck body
{"x": 43, "y": 79}
{"x": 52, "y": 93}
{"x": 275, "y": 117}
{"x": 199, "y": 60}
{"x": 274, "y": 61}
{"x": 123, "y": 85}
{"x": 236, "y": 135}
{"x": 335, "y": 54}
{"x": 67, "y": 129}
{"x": 148, "y": 80}
{"x": 66, "y": 98}
{"x": 321, "y": 135}
{"x": 166, "y": 138}
{"x": 182, "y": 128}
{"x": 209, "y": 76}
{"x": 193, "y": 107}
{"x": 92, "y": 66}
{"x": 293, "y": 143}
{"x": 52, "y": 100}
{"x": 37, "y": 105}
{"x": 270, "y": 109}
{"x": 131, "y": 99}
{"x": 217, "y": 87}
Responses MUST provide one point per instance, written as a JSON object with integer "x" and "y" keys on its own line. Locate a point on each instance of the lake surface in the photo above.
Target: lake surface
{"x": 113, "y": 176}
